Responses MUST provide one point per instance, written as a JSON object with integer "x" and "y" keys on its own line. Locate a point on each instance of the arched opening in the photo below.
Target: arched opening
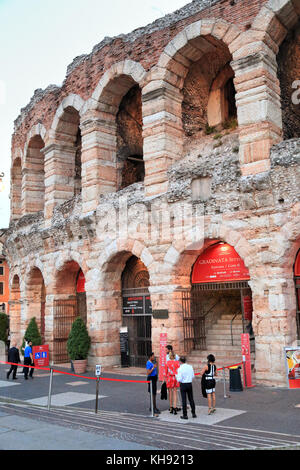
{"x": 218, "y": 307}
{"x": 33, "y": 179}
{"x": 221, "y": 107}
{"x": 16, "y": 190}
{"x": 137, "y": 311}
{"x": 129, "y": 138}
{"x": 297, "y": 287}
{"x": 68, "y": 132}
{"x": 208, "y": 91}
{"x": 69, "y": 303}
{"x": 288, "y": 60}
{"x": 36, "y": 299}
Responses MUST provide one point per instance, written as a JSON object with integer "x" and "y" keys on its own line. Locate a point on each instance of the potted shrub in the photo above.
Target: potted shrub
{"x": 78, "y": 345}
{"x": 32, "y": 333}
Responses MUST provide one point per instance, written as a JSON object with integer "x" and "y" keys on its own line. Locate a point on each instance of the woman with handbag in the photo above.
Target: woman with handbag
{"x": 172, "y": 385}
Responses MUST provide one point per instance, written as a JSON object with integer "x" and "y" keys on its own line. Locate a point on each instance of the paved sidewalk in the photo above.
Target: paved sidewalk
{"x": 258, "y": 408}
{"x": 20, "y": 433}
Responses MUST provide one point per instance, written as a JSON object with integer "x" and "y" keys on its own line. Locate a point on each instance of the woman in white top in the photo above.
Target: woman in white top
{"x": 210, "y": 372}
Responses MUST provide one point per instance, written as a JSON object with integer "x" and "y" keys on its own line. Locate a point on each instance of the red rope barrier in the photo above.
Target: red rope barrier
{"x": 102, "y": 378}
{"x": 75, "y": 375}
{"x": 225, "y": 367}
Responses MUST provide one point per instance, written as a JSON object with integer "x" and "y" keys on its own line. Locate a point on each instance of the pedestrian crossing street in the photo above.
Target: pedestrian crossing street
{"x": 166, "y": 436}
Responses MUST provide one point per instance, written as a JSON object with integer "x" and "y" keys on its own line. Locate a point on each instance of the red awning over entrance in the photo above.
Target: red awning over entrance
{"x": 219, "y": 263}
{"x": 297, "y": 265}
{"x": 80, "y": 283}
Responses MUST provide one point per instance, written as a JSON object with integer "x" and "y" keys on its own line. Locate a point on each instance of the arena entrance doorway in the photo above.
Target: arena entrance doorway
{"x": 137, "y": 311}
{"x": 219, "y": 295}
{"x": 70, "y": 305}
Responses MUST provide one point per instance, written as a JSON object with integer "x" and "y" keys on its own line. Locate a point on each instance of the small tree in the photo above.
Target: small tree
{"x": 32, "y": 333}
{"x": 79, "y": 342}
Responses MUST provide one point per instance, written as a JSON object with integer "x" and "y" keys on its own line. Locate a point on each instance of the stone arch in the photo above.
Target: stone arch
{"x": 182, "y": 254}
{"x": 114, "y": 260}
{"x": 33, "y": 171}
{"x": 63, "y": 155}
{"x": 191, "y": 44}
{"x": 166, "y": 103}
{"x": 118, "y": 246}
{"x": 35, "y": 295}
{"x": 110, "y": 89}
{"x": 59, "y": 124}
{"x": 290, "y": 232}
{"x": 258, "y": 89}
{"x": 114, "y": 147}
{"x": 16, "y": 187}
{"x": 37, "y": 130}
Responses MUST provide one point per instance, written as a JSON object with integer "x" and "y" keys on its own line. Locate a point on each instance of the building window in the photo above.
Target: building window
{"x": 1, "y": 288}
{"x": 1, "y": 270}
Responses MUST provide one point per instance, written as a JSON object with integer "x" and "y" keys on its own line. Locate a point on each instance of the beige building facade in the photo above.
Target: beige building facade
{"x": 160, "y": 144}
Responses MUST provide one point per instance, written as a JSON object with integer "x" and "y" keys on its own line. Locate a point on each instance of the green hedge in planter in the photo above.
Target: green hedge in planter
{"x": 32, "y": 333}
{"x": 79, "y": 342}
{"x": 4, "y": 324}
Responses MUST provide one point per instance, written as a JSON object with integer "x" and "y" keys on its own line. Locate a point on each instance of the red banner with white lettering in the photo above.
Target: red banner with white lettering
{"x": 219, "y": 263}
{"x": 246, "y": 354}
{"x": 41, "y": 355}
{"x": 162, "y": 355}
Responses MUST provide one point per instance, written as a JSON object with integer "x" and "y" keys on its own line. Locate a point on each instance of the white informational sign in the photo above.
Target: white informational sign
{"x": 98, "y": 370}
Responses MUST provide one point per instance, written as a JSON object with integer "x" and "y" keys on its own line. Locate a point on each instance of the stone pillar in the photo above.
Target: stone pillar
{"x": 274, "y": 325}
{"x": 162, "y": 132}
{"x": 99, "y": 169}
{"x": 16, "y": 190}
{"x": 59, "y": 176}
{"x": 15, "y": 319}
{"x": 258, "y": 109}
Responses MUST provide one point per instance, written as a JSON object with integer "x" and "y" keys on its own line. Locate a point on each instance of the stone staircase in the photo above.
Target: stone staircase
{"x": 219, "y": 343}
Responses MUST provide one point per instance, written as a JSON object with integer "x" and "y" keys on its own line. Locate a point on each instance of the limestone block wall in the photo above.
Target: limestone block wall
{"x": 257, "y": 215}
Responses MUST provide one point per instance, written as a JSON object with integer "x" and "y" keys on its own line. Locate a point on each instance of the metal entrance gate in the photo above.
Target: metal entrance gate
{"x": 137, "y": 317}
{"x": 65, "y": 312}
{"x": 195, "y": 319}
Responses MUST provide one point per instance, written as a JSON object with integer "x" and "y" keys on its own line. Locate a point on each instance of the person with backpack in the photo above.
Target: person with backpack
{"x": 209, "y": 373}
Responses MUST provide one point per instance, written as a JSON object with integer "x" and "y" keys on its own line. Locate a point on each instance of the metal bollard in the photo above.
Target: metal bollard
{"x": 97, "y": 394}
{"x": 224, "y": 382}
{"x": 50, "y": 387}
{"x": 151, "y": 399}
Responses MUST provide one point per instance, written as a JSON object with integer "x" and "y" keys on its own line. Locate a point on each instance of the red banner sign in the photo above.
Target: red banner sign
{"x": 219, "y": 263}
{"x": 246, "y": 354}
{"x": 162, "y": 355}
{"x": 297, "y": 265}
{"x": 41, "y": 355}
{"x": 80, "y": 283}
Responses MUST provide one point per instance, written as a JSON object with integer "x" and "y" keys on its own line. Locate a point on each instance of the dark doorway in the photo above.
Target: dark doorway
{"x": 137, "y": 311}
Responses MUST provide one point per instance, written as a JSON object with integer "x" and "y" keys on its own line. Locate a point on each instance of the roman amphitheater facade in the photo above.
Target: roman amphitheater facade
{"x": 158, "y": 145}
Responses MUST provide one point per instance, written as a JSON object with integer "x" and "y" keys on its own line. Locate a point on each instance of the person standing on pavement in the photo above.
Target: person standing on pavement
{"x": 28, "y": 361}
{"x": 185, "y": 376}
{"x": 151, "y": 369}
{"x": 14, "y": 357}
{"x": 171, "y": 369}
{"x": 169, "y": 349}
{"x": 209, "y": 372}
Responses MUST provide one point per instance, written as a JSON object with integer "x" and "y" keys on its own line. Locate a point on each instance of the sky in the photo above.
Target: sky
{"x": 40, "y": 38}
